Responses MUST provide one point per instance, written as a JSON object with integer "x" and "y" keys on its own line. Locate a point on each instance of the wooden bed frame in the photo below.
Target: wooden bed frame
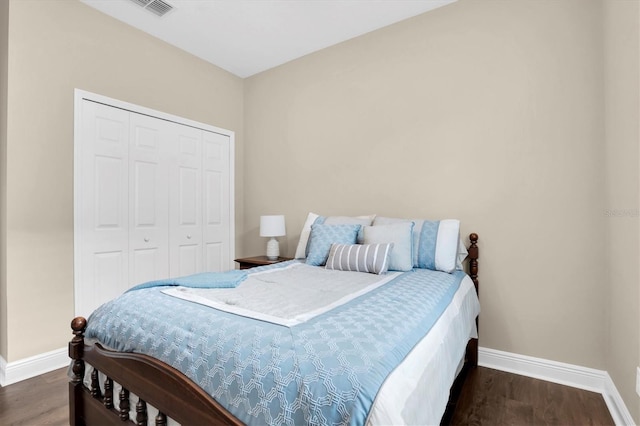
{"x": 167, "y": 389}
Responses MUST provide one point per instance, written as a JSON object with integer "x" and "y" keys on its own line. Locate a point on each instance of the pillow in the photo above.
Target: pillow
{"x": 373, "y": 258}
{"x": 437, "y": 244}
{"x": 461, "y": 254}
{"x": 303, "y": 242}
{"x": 438, "y": 249}
{"x": 322, "y": 236}
{"x": 417, "y": 227}
{"x": 344, "y": 220}
{"x": 400, "y": 234}
{"x": 304, "y": 236}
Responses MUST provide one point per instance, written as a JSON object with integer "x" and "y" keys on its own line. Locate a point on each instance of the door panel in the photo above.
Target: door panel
{"x": 189, "y": 200}
{"x": 185, "y": 210}
{"x": 109, "y": 178}
{"x": 149, "y": 199}
{"x": 216, "y": 199}
{"x": 189, "y": 258}
{"x": 147, "y": 262}
{"x": 214, "y": 257}
{"x": 108, "y": 273}
{"x": 102, "y": 205}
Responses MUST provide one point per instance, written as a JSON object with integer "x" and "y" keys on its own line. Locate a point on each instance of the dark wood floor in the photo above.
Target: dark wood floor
{"x": 492, "y": 397}
{"x": 42, "y": 400}
{"x": 489, "y": 397}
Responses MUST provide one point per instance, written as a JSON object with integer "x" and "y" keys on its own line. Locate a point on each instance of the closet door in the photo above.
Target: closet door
{"x": 148, "y": 199}
{"x": 102, "y": 218}
{"x": 185, "y": 195}
{"x": 153, "y": 198}
{"x": 216, "y": 198}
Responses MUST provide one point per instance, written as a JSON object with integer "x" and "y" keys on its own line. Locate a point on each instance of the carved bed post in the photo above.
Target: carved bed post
{"x": 472, "y": 348}
{"x": 76, "y": 346}
{"x": 76, "y": 352}
{"x": 473, "y": 259}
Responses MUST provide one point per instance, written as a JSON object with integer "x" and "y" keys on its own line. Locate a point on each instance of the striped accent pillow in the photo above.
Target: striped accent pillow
{"x": 373, "y": 258}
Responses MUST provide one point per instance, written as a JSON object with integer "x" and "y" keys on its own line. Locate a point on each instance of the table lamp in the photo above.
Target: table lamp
{"x": 272, "y": 226}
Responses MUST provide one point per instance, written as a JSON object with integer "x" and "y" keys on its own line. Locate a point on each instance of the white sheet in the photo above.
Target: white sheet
{"x": 286, "y": 296}
{"x": 417, "y": 391}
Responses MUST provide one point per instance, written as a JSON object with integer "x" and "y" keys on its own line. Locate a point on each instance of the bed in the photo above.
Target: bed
{"x": 338, "y": 361}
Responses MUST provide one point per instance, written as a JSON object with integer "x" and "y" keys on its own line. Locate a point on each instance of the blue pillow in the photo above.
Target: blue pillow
{"x": 322, "y": 236}
{"x": 438, "y": 248}
{"x": 427, "y": 245}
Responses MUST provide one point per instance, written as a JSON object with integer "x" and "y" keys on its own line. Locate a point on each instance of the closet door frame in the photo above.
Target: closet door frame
{"x": 82, "y": 95}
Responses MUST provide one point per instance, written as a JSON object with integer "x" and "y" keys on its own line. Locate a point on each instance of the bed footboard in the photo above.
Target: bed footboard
{"x": 152, "y": 381}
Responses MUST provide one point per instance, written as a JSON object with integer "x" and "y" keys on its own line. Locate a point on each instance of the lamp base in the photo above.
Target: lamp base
{"x": 273, "y": 249}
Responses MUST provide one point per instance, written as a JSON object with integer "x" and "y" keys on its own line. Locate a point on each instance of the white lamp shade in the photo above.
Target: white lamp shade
{"x": 272, "y": 226}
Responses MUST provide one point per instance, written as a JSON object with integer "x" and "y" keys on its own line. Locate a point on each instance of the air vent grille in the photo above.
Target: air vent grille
{"x": 157, "y": 7}
{"x": 142, "y": 3}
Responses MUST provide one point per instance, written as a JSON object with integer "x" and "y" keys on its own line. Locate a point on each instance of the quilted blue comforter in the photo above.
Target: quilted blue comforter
{"x": 326, "y": 371}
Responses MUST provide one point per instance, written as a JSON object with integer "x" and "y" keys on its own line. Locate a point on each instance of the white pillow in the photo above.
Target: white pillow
{"x": 400, "y": 234}
{"x": 446, "y": 254}
{"x": 461, "y": 254}
{"x": 301, "y": 249}
{"x": 304, "y": 236}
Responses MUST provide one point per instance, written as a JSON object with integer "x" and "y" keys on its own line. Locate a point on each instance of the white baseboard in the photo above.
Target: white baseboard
{"x": 616, "y": 405}
{"x": 3, "y": 368}
{"x": 561, "y": 373}
{"x": 13, "y": 372}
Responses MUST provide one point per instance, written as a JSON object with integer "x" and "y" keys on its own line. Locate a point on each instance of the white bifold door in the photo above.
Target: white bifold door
{"x": 153, "y": 199}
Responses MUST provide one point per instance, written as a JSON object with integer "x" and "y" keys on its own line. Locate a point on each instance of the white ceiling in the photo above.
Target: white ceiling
{"x": 246, "y": 37}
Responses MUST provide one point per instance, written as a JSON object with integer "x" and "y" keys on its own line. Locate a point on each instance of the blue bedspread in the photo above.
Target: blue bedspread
{"x": 229, "y": 279}
{"x": 326, "y": 371}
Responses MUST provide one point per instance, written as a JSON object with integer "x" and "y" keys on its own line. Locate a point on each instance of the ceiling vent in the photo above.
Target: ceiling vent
{"x": 157, "y": 7}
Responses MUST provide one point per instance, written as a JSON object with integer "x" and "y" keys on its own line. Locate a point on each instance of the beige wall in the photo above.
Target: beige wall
{"x": 622, "y": 90}
{"x": 4, "y": 47}
{"x": 536, "y": 104}
{"x": 491, "y": 112}
{"x": 54, "y": 47}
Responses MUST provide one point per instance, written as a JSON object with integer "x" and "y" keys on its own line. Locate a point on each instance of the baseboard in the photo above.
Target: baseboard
{"x": 3, "y": 368}
{"x": 561, "y": 373}
{"x": 616, "y": 405}
{"x": 13, "y": 372}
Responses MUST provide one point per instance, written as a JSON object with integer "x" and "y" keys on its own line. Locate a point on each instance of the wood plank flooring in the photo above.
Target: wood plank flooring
{"x": 492, "y": 397}
{"x": 489, "y": 397}
{"x": 42, "y": 400}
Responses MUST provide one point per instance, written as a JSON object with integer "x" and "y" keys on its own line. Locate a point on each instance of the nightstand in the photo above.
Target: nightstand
{"x": 252, "y": 262}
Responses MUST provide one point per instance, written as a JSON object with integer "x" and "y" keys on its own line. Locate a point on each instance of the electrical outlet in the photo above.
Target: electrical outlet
{"x": 638, "y": 381}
